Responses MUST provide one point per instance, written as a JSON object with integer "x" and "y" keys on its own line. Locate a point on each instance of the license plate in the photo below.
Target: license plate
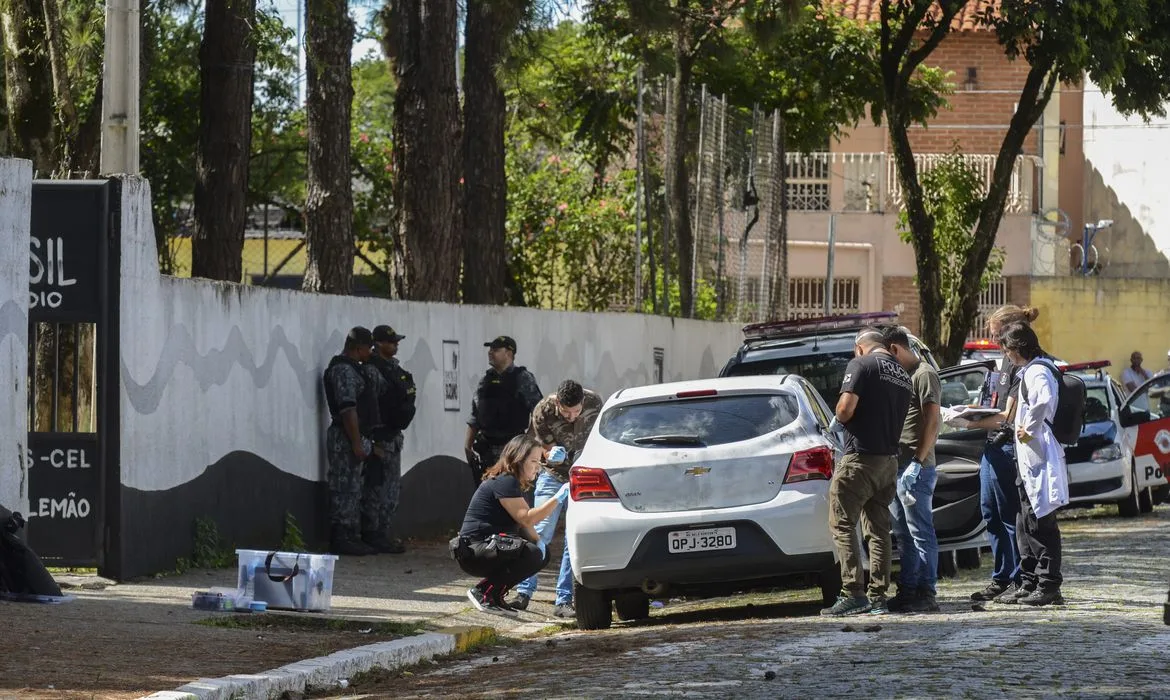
{"x": 681, "y": 541}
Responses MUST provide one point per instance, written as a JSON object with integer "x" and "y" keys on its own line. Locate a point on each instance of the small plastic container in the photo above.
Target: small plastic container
{"x": 287, "y": 580}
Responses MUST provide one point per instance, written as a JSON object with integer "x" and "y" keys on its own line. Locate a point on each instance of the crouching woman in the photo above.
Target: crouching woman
{"x": 497, "y": 540}
{"x": 1043, "y": 475}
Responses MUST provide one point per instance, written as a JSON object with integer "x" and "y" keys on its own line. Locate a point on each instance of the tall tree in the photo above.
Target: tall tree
{"x": 329, "y": 195}
{"x": 1123, "y": 46}
{"x": 227, "y": 57}
{"x": 487, "y": 29}
{"x": 419, "y": 39}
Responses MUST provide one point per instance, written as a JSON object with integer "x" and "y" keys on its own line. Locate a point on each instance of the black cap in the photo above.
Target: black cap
{"x": 360, "y": 335}
{"x": 501, "y": 342}
{"x": 386, "y": 334}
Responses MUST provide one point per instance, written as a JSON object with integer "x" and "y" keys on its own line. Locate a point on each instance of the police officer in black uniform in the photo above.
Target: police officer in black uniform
{"x": 351, "y": 392}
{"x": 501, "y": 407}
{"x": 396, "y": 408}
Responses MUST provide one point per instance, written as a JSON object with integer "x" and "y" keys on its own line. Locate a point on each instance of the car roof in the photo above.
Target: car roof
{"x": 802, "y": 345}
{"x": 736, "y": 384}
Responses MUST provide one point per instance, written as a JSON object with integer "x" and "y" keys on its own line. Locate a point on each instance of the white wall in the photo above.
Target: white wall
{"x": 210, "y": 368}
{"x": 15, "y": 208}
{"x": 1131, "y": 157}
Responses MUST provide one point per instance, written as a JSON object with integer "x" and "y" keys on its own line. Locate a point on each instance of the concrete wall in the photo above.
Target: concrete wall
{"x": 1084, "y": 319}
{"x": 15, "y": 206}
{"x": 222, "y": 411}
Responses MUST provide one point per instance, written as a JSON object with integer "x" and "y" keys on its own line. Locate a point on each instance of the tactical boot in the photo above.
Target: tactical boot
{"x": 344, "y": 542}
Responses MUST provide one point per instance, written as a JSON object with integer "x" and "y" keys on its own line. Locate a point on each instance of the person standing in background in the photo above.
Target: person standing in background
{"x": 1135, "y": 375}
{"x": 501, "y": 406}
{"x": 396, "y": 408}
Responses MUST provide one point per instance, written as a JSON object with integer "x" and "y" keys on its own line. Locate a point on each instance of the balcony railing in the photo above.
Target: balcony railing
{"x": 869, "y": 181}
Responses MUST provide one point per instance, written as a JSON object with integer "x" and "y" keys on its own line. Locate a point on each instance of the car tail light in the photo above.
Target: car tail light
{"x": 590, "y": 483}
{"x": 808, "y": 465}
{"x": 696, "y": 393}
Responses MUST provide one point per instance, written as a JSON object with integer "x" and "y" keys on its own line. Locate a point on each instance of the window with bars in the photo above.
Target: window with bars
{"x": 806, "y": 296}
{"x": 990, "y": 299}
{"x": 808, "y": 182}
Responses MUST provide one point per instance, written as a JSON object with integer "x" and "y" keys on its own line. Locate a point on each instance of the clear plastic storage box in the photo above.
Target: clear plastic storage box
{"x": 287, "y": 580}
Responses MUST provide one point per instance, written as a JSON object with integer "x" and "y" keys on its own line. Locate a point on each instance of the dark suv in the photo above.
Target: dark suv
{"x": 818, "y": 349}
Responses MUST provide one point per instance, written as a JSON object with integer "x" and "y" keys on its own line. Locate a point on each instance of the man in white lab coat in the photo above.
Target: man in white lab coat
{"x": 1043, "y": 475}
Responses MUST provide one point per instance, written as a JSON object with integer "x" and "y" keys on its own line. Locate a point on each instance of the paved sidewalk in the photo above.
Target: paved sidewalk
{"x": 129, "y": 640}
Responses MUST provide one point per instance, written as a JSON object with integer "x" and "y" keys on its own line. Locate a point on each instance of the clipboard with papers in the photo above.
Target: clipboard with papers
{"x": 962, "y": 415}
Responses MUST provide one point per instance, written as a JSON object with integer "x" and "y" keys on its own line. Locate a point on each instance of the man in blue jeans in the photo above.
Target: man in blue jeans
{"x": 911, "y": 512}
{"x": 561, "y": 422}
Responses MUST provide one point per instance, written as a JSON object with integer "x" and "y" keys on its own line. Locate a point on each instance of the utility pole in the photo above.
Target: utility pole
{"x": 120, "y": 89}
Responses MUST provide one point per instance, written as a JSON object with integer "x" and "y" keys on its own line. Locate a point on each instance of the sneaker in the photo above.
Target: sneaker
{"x": 1012, "y": 594}
{"x": 480, "y": 599}
{"x": 994, "y": 590}
{"x": 1042, "y": 596}
{"x": 847, "y": 605}
{"x": 879, "y": 605}
{"x": 564, "y": 610}
{"x": 925, "y": 602}
{"x": 519, "y": 602}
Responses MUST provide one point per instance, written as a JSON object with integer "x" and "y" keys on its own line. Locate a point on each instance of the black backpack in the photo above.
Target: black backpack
{"x": 1069, "y": 420}
{"x": 398, "y": 406}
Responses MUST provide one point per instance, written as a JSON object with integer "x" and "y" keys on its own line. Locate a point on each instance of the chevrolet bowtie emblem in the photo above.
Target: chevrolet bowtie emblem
{"x": 697, "y": 471}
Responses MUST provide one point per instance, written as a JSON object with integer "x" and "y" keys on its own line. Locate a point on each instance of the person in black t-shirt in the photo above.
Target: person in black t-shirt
{"x": 497, "y": 540}
{"x": 875, "y": 397}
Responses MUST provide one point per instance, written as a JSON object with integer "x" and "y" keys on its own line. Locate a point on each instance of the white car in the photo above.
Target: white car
{"x": 707, "y": 486}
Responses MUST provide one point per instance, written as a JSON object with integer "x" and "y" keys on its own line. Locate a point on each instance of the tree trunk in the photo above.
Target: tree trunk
{"x": 961, "y": 310}
{"x": 779, "y": 251}
{"x": 488, "y": 26}
{"x": 329, "y": 192}
{"x": 678, "y": 183}
{"x": 226, "y": 58}
{"x": 28, "y": 84}
{"x": 420, "y": 41}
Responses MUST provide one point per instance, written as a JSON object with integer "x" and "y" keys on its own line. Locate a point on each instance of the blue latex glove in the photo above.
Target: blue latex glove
{"x": 557, "y": 455}
{"x": 563, "y": 494}
{"x": 910, "y": 476}
{"x": 836, "y": 426}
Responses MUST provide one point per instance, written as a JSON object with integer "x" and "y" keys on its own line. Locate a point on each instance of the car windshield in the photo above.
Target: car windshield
{"x": 824, "y": 371}
{"x": 698, "y": 422}
{"x": 1096, "y": 404}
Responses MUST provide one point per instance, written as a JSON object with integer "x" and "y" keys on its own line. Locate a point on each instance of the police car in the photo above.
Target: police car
{"x": 982, "y": 349}
{"x": 818, "y": 349}
{"x": 1144, "y": 419}
{"x": 1103, "y": 466}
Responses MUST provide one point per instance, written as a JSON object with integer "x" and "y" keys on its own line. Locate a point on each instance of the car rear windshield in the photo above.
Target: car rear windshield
{"x": 824, "y": 371}
{"x": 698, "y": 422}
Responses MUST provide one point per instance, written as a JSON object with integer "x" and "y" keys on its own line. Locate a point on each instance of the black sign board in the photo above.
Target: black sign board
{"x": 64, "y": 497}
{"x": 69, "y": 224}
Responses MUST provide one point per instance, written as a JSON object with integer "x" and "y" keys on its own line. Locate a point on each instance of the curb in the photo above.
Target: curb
{"x": 327, "y": 671}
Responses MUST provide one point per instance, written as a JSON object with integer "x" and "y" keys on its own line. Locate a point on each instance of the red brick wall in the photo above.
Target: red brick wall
{"x": 984, "y": 112}
{"x": 901, "y": 294}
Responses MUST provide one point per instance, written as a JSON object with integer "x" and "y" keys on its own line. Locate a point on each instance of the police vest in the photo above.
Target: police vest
{"x": 397, "y": 404}
{"x": 502, "y": 412}
{"x": 369, "y": 419}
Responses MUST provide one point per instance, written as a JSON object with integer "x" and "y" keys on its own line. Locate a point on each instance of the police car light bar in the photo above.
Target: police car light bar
{"x": 769, "y": 330}
{"x": 982, "y": 344}
{"x": 1083, "y": 366}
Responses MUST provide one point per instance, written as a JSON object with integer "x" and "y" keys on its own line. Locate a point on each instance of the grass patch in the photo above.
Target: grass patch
{"x": 555, "y": 628}
{"x": 74, "y": 570}
{"x": 307, "y": 623}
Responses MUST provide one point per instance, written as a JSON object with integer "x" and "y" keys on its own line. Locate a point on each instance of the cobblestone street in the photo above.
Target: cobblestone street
{"x": 1108, "y": 641}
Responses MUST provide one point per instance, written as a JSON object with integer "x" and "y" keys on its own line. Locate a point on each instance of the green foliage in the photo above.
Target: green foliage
{"x": 293, "y": 539}
{"x": 953, "y": 193}
{"x": 570, "y": 239}
{"x": 706, "y": 299}
{"x": 208, "y": 550}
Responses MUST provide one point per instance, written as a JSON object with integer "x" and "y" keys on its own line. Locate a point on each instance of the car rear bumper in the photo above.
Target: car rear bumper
{"x": 612, "y": 547}
{"x": 1095, "y": 482}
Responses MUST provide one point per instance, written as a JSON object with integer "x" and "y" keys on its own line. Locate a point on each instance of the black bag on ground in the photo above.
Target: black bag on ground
{"x": 1069, "y": 420}
{"x": 21, "y": 570}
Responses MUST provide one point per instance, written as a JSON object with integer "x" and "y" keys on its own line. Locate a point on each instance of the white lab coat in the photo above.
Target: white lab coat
{"x": 1040, "y": 461}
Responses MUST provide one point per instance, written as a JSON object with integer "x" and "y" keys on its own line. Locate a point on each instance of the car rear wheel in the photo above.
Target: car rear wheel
{"x": 968, "y": 558}
{"x": 1160, "y": 494}
{"x": 1130, "y": 506}
{"x": 593, "y": 608}
{"x": 632, "y": 605}
{"x": 830, "y": 580}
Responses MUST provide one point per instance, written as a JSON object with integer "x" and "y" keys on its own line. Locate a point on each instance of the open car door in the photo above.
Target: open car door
{"x": 958, "y": 518}
{"x": 1145, "y": 418}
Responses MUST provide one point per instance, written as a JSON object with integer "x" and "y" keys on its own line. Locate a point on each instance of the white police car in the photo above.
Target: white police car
{"x": 1144, "y": 419}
